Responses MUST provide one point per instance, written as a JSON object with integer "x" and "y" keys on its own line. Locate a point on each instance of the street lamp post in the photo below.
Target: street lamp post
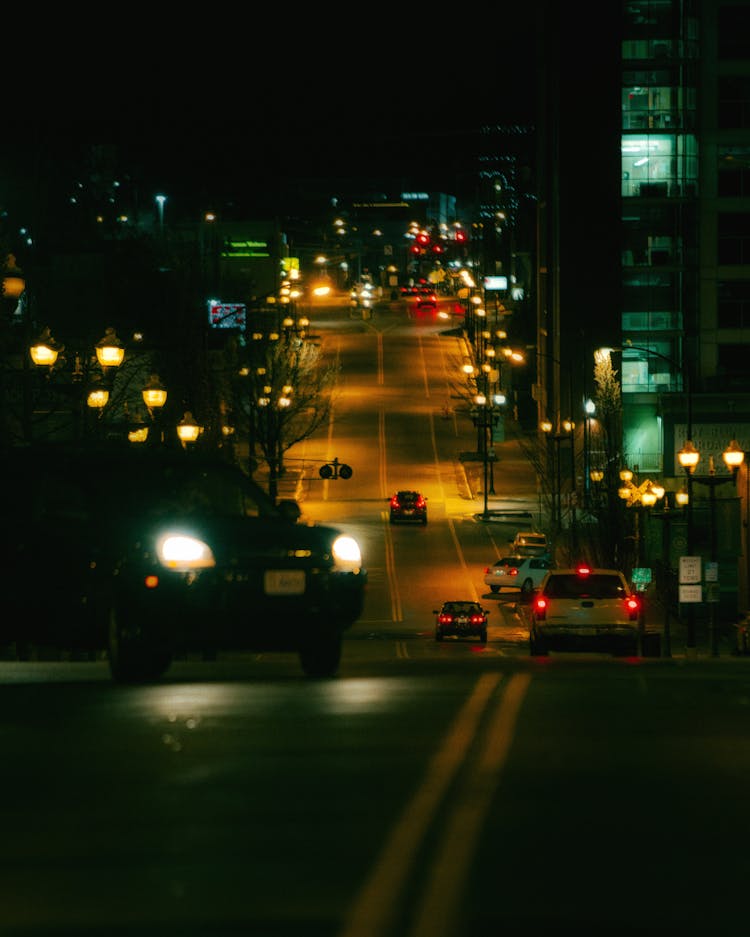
{"x": 688, "y": 458}
{"x": 639, "y": 497}
{"x": 92, "y": 387}
{"x": 733, "y": 457}
{"x": 160, "y": 200}
{"x": 589, "y": 410}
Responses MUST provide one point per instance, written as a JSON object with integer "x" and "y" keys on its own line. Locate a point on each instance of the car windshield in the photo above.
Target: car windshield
{"x": 186, "y": 490}
{"x": 130, "y": 486}
{"x": 595, "y": 586}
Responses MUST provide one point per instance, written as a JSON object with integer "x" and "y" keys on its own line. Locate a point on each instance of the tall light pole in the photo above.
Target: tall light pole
{"x": 160, "y": 200}
{"x": 688, "y": 458}
{"x": 589, "y": 410}
{"x": 639, "y": 497}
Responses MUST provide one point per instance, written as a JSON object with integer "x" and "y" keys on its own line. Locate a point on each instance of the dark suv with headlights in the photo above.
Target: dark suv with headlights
{"x": 149, "y": 552}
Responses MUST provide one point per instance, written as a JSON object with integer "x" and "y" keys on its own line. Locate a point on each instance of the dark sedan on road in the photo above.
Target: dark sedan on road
{"x": 461, "y": 619}
{"x": 148, "y": 552}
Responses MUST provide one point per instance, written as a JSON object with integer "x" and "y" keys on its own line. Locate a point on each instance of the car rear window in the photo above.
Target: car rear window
{"x": 595, "y": 586}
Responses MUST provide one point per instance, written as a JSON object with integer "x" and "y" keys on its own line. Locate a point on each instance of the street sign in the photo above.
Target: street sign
{"x": 641, "y": 576}
{"x": 713, "y": 592}
{"x": 688, "y": 594}
{"x": 711, "y": 573}
{"x": 690, "y": 570}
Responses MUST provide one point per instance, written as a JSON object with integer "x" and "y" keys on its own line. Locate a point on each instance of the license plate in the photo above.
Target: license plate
{"x": 409, "y": 511}
{"x": 284, "y": 582}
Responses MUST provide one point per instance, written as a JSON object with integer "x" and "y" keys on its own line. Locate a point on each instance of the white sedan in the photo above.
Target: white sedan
{"x": 522, "y": 573}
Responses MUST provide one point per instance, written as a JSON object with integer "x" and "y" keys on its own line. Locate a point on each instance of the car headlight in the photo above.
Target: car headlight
{"x": 346, "y": 554}
{"x": 182, "y": 552}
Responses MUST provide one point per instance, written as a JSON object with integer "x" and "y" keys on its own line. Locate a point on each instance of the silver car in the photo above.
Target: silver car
{"x": 520, "y": 573}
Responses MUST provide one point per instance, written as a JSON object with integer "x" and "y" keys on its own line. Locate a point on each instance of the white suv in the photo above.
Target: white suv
{"x": 584, "y": 609}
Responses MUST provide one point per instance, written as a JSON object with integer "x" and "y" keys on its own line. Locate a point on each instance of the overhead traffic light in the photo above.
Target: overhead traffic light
{"x": 335, "y": 469}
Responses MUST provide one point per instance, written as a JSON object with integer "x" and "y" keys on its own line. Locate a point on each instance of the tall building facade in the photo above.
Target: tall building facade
{"x": 685, "y": 230}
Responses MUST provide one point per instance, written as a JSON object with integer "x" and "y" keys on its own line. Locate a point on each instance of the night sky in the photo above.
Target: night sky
{"x": 349, "y": 92}
{"x": 226, "y": 110}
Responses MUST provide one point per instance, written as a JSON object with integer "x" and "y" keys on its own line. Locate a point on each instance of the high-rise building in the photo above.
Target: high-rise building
{"x": 685, "y": 229}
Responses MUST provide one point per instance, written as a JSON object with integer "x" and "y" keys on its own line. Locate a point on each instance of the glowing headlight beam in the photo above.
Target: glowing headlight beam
{"x": 179, "y": 551}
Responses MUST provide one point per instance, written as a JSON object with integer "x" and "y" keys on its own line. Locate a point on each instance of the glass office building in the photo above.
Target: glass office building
{"x": 685, "y": 233}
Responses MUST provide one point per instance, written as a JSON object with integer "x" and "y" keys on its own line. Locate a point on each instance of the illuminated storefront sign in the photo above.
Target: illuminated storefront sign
{"x": 496, "y": 283}
{"x": 242, "y": 247}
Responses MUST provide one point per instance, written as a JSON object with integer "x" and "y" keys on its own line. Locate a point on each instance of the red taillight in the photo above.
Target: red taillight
{"x": 583, "y": 570}
{"x": 540, "y": 606}
{"x": 486, "y": 570}
{"x": 633, "y": 606}
{"x": 513, "y": 571}
{"x": 151, "y": 581}
{"x": 445, "y": 619}
{"x": 477, "y": 619}
{"x": 394, "y": 502}
{"x": 420, "y": 502}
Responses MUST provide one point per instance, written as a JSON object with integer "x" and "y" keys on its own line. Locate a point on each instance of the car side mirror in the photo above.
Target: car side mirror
{"x": 290, "y": 510}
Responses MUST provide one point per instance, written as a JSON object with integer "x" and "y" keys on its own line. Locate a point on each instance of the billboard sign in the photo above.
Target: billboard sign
{"x": 226, "y": 315}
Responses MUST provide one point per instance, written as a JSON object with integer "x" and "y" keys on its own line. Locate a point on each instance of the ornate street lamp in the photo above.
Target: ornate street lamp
{"x": 733, "y": 456}
{"x": 154, "y": 394}
{"x": 109, "y": 350}
{"x": 188, "y": 429}
{"x": 688, "y": 458}
{"x": 639, "y": 497}
{"x": 46, "y": 352}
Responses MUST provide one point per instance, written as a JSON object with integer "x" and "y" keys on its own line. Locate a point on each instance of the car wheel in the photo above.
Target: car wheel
{"x": 627, "y": 649}
{"x": 494, "y": 588}
{"x": 537, "y": 648}
{"x": 321, "y": 656}
{"x": 424, "y": 521}
{"x": 134, "y": 657}
{"x": 483, "y": 636}
{"x": 438, "y": 634}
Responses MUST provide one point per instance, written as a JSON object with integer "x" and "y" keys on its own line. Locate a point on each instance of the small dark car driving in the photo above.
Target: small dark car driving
{"x": 145, "y": 553}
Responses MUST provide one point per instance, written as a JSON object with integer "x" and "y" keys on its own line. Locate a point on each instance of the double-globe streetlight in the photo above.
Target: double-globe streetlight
{"x": 688, "y": 457}
{"x": 108, "y": 354}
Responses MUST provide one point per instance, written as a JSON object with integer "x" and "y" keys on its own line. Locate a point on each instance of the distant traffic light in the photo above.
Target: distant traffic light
{"x": 335, "y": 469}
